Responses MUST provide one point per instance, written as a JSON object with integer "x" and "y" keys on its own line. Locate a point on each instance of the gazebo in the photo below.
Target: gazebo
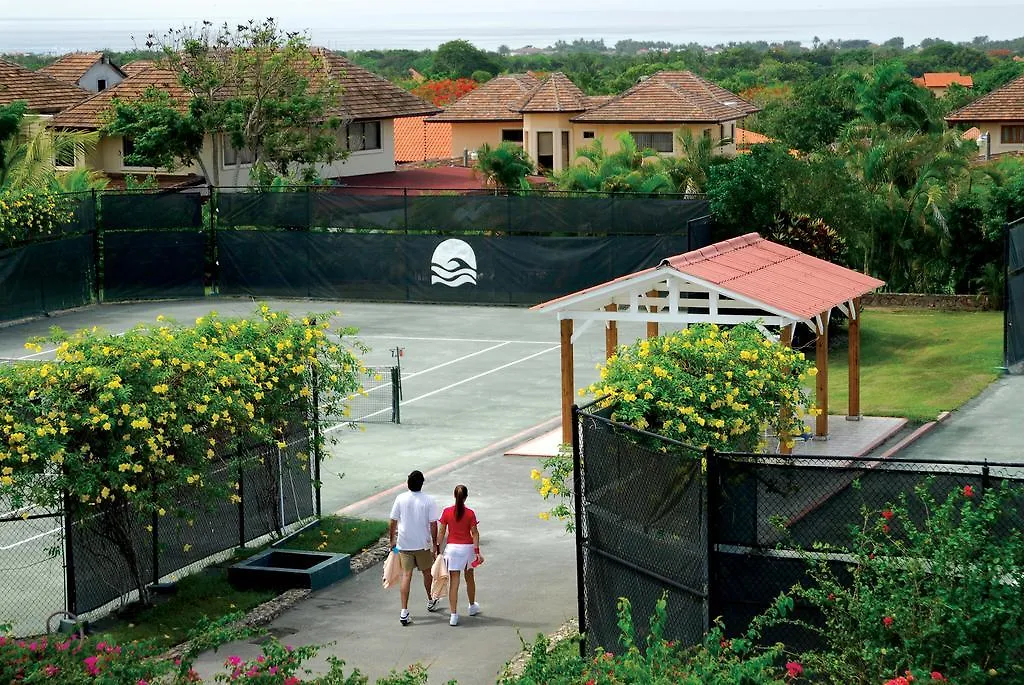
{"x": 743, "y": 280}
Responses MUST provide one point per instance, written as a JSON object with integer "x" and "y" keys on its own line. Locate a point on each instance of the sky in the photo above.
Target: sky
{"x": 344, "y": 24}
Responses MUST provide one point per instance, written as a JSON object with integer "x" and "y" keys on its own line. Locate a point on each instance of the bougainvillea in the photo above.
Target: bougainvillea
{"x": 445, "y": 91}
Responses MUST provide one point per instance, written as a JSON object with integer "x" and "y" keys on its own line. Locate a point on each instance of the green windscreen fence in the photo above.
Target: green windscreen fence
{"x": 421, "y": 268}
{"x": 1013, "y": 335}
{"x": 51, "y": 272}
{"x": 155, "y": 245}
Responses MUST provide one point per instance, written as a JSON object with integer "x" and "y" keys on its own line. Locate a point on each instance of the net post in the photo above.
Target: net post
{"x": 396, "y": 394}
{"x": 241, "y": 504}
{"x": 70, "y": 591}
{"x": 1006, "y": 295}
{"x": 316, "y": 453}
{"x": 711, "y": 503}
{"x": 577, "y": 488}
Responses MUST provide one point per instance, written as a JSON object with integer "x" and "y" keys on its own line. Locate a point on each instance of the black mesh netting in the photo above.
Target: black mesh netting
{"x": 1015, "y": 299}
{"x": 150, "y": 210}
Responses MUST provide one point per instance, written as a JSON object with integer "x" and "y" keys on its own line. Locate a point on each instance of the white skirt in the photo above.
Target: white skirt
{"x": 459, "y": 557}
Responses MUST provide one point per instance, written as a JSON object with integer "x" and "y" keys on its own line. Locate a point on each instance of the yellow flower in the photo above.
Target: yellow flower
{"x": 813, "y": 371}
{"x": 544, "y": 516}
{"x": 187, "y": 547}
{"x": 187, "y": 428}
{"x": 535, "y": 474}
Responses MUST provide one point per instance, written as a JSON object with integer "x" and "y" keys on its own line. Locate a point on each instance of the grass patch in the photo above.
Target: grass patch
{"x": 205, "y": 594}
{"x": 339, "y": 535}
{"x": 916, "y": 363}
{"x": 209, "y": 593}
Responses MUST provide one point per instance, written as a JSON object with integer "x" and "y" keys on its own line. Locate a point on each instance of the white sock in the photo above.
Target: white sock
{"x": 405, "y": 612}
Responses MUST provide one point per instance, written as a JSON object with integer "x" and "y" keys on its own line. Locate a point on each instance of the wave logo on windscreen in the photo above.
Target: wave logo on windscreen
{"x": 453, "y": 264}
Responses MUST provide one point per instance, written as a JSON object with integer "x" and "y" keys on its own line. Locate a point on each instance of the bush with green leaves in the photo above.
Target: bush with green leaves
{"x": 932, "y": 587}
{"x": 27, "y": 214}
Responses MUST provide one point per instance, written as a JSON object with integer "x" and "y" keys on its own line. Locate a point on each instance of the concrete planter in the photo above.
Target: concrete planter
{"x": 284, "y": 569}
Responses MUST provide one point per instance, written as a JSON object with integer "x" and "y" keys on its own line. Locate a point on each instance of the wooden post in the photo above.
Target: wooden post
{"x": 821, "y": 388}
{"x": 568, "y": 382}
{"x": 652, "y": 326}
{"x": 611, "y": 334}
{"x": 853, "y": 413}
{"x": 786, "y": 339}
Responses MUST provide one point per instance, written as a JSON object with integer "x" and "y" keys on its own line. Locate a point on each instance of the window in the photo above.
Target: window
{"x": 659, "y": 142}
{"x": 127, "y": 150}
{"x": 235, "y": 157}
{"x": 545, "y": 149}
{"x": 588, "y": 135}
{"x": 512, "y": 135}
{"x": 363, "y": 135}
{"x": 565, "y": 149}
{"x": 101, "y": 84}
{"x": 1012, "y": 135}
{"x": 64, "y": 156}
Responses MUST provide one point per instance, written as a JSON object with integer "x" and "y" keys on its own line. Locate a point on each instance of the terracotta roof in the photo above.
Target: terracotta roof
{"x": 746, "y": 138}
{"x": 972, "y": 133}
{"x": 72, "y": 67}
{"x": 44, "y": 94}
{"x": 771, "y": 275}
{"x": 671, "y": 97}
{"x": 1002, "y": 104}
{"x": 364, "y": 95}
{"x": 417, "y": 140}
{"x": 593, "y": 101}
{"x": 90, "y": 113}
{"x": 556, "y": 93}
{"x": 368, "y": 96}
{"x": 944, "y": 79}
{"x": 133, "y": 68}
{"x": 491, "y": 101}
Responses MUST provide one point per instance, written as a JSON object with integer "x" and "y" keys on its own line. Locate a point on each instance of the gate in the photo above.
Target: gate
{"x": 1013, "y": 301}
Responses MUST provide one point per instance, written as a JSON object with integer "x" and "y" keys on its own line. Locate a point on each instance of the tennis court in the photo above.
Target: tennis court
{"x": 471, "y": 377}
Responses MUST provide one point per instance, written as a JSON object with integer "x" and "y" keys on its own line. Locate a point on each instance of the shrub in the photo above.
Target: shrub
{"x": 26, "y": 214}
{"x": 933, "y": 587}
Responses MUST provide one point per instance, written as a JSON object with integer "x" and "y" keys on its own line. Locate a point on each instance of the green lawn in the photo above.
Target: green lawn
{"x": 210, "y": 594}
{"x": 916, "y": 363}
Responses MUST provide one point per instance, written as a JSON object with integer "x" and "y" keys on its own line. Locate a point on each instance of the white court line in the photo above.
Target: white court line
{"x": 36, "y": 354}
{"x": 18, "y": 511}
{"x": 478, "y": 340}
{"x": 34, "y": 537}
{"x": 450, "y": 386}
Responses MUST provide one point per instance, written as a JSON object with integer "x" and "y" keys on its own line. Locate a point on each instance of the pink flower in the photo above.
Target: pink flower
{"x": 51, "y": 671}
{"x": 234, "y": 660}
{"x": 887, "y": 621}
{"x": 968, "y": 491}
{"x": 260, "y": 659}
{"x": 91, "y": 666}
{"x": 938, "y": 676}
{"x": 142, "y": 682}
{"x": 887, "y": 514}
{"x": 291, "y": 680}
{"x": 794, "y": 669}
{"x": 898, "y": 680}
{"x": 885, "y": 529}
{"x": 272, "y": 670}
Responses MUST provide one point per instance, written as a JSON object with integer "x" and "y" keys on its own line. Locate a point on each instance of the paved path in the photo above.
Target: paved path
{"x": 527, "y": 586}
{"x": 988, "y": 427}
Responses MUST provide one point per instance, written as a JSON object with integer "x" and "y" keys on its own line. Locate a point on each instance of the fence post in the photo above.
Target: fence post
{"x": 97, "y": 250}
{"x": 577, "y": 495}
{"x": 405, "y": 209}
{"x": 241, "y": 504}
{"x": 396, "y": 394}
{"x": 70, "y": 593}
{"x": 316, "y": 437}
{"x": 711, "y": 502}
{"x": 985, "y": 482}
{"x": 1006, "y": 295}
{"x": 156, "y": 547}
{"x": 214, "y": 257}
{"x": 508, "y": 214}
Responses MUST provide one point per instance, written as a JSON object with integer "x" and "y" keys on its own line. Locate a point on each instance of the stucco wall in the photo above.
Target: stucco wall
{"x": 994, "y": 129}
{"x": 100, "y": 71}
{"x": 609, "y": 133}
{"x": 470, "y": 136}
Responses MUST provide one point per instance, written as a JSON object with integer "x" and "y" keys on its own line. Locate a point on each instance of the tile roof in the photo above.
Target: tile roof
{"x": 1002, "y": 104}
{"x": 556, "y": 93}
{"x": 72, "y": 67}
{"x": 758, "y": 270}
{"x": 417, "y": 140}
{"x": 138, "y": 65}
{"x": 944, "y": 79}
{"x": 490, "y": 102}
{"x": 973, "y": 133}
{"x": 671, "y": 97}
{"x": 747, "y": 138}
{"x": 364, "y": 95}
{"x": 90, "y": 113}
{"x": 44, "y": 94}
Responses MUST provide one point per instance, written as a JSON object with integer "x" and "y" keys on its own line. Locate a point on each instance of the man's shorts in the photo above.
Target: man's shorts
{"x": 416, "y": 558}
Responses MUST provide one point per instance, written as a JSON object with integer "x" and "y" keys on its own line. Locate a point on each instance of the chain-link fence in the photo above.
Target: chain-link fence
{"x": 724, "y": 534}
{"x": 1013, "y": 298}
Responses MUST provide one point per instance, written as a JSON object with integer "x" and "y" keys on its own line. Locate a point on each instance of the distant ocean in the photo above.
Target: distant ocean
{"x": 426, "y": 26}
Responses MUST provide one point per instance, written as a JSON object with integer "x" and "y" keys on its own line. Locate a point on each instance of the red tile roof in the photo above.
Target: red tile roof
{"x": 44, "y": 94}
{"x": 491, "y": 101}
{"x": 671, "y": 97}
{"x": 556, "y": 93}
{"x": 972, "y": 133}
{"x": 1002, "y": 104}
{"x": 138, "y": 65}
{"x": 72, "y": 67}
{"x": 90, "y": 113}
{"x": 757, "y": 270}
{"x": 417, "y": 140}
{"x": 944, "y": 79}
{"x": 746, "y": 138}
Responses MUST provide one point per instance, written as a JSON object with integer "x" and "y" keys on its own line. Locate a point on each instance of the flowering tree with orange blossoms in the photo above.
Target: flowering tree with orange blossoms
{"x": 119, "y": 425}
{"x": 444, "y": 91}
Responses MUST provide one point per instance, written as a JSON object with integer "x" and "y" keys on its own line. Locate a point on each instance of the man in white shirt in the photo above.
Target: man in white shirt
{"x": 414, "y": 518}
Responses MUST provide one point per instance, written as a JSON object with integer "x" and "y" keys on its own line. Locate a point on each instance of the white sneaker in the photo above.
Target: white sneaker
{"x": 432, "y": 604}
{"x": 474, "y": 609}
{"x": 405, "y": 618}
{"x": 454, "y": 620}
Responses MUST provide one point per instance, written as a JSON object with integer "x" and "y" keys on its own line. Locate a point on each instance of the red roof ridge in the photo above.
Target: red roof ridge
{"x": 715, "y": 250}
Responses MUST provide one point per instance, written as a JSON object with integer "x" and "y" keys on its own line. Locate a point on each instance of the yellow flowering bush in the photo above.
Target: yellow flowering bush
{"x": 28, "y": 214}
{"x": 706, "y": 385}
{"x": 136, "y": 419}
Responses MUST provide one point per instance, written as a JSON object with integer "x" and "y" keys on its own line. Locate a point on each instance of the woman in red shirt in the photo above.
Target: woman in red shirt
{"x": 462, "y": 553}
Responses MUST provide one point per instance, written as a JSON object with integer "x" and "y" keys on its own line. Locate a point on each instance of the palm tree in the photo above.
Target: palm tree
{"x": 29, "y": 155}
{"x": 689, "y": 171}
{"x": 505, "y": 166}
{"x": 629, "y": 169}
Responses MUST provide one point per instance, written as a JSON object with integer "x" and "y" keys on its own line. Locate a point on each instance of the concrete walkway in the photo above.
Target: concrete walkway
{"x": 527, "y": 586}
{"x": 987, "y": 427}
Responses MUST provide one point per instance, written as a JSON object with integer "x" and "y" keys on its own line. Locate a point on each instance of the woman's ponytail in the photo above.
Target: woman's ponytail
{"x": 461, "y": 493}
